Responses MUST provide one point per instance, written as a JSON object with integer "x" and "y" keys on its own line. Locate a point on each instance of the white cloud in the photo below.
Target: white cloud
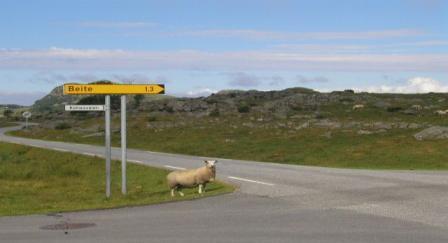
{"x": 93, "y": 59}
{"x": 276, "y": 80}
{"x": 138, "y": 78}
{"x": 200, "y": 92}
{"x": 401, "y": 47}
{"x": 413, "y": 85}
{"x": 58, "y": 78}
{"x": 305, "y": 80}
{"x": 241, "y": 79}
{"x": 274, "y": 35}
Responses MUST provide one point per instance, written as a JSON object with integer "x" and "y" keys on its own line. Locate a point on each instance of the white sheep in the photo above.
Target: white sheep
{"x": 192, "y": 178}
{"x": 441, "y": 113}
{"x": 417, "y": 107}
{"x": 358, "y": 107}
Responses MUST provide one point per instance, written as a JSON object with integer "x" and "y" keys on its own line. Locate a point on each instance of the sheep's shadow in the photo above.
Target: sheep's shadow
{"x": 186, "y": 191}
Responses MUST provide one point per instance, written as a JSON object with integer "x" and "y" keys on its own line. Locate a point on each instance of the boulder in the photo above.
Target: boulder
{"x": 364, "y": 132}
{"x": 382, "y": 125}
{"x": 325, "y": 123}
{"x": 435, "y": 132}
{"x": 415, "y": 126}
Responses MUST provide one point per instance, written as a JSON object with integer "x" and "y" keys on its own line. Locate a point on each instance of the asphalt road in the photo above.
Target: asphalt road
{"x": 274, "y": 203}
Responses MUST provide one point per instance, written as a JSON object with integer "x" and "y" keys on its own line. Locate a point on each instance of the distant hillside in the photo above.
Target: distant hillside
{"x": 55, "y": 101}
{"x": 277, "y": 104}
{"x": 11, "y": 106}
{"x": 300, "y": 101}
{"x": 296, "y": 126}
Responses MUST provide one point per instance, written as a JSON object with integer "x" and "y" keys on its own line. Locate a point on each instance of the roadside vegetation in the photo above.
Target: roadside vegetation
{"x": 299, "y": 126}
{"x": 239, "y": 138}
{"x": 37, "y": 181}
{"x": 4, "y": 123}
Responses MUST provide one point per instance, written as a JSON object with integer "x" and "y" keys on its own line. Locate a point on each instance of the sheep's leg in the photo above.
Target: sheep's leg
{"x": 172, "y": 192}
{"x": 200, "y": 188}
{"x": 203, "y": 188}
{"x": 181, "y": 193}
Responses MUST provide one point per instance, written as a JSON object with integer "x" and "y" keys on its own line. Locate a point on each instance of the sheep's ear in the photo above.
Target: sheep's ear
{"x": 206, "y": 161}
{"x": 216, "y": 161}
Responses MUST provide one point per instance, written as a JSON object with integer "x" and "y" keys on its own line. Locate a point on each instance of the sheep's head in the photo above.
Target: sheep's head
{"x": 210, "y": 164}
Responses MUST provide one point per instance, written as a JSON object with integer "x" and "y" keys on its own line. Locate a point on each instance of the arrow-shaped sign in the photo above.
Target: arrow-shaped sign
{"x": 108, "y": 89}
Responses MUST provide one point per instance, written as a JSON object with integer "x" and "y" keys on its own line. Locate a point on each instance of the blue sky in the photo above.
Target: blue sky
{"x": 199, "y": 47}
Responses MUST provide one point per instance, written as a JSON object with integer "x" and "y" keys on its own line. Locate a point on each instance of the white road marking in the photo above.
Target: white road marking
{"x": 61, "y": 150}
{"x": 89, "y": 154}
{"x": 175, "y": 167}
{"x": 136, "y": 161}
{"x": 248, "y": 180}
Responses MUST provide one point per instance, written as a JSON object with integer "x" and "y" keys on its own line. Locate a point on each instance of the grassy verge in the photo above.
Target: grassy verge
{"x": 394, "y": 149}
{"x": 34, "y": 180}
{"x": 7, "y": 124}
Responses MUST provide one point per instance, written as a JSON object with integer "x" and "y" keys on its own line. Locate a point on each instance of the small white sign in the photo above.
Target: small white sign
{"x": 84, "y": 108}
{"x": 26, "y": 114}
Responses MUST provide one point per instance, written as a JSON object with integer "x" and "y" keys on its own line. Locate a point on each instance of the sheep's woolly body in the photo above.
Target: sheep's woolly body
{"x": 190, "y": 178}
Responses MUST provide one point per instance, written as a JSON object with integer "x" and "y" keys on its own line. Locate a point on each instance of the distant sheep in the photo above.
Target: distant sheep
{"x": 358, "y": 107}
{"x": 192, "y": 178}
{"x": 417, "y": 107}
{"x": 441, "y": 113}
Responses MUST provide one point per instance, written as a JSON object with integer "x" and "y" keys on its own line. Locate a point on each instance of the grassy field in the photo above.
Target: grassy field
{"x": 34, "y": 180}
{"x": 229, "y": 138}
{"x": 4, "y": 123}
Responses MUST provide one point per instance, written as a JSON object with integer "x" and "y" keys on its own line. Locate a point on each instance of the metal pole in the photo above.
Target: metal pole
{"x": 123, "y": 144}
{"x": 108, "y": 149}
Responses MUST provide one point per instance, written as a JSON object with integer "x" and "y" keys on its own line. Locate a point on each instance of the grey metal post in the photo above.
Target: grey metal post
{"x": 108, "y": 149}
{"x": 123, "y": 144}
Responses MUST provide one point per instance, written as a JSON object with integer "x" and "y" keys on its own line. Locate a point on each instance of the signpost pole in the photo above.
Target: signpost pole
{"x": 123, "y": 144}
{"x": 108, "y": 90}
{"x": 27, "y": 115}
{"x": 108, "y": 149}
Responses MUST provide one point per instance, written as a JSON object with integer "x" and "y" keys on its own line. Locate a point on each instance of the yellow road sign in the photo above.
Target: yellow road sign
{"x": 108, "y": 89}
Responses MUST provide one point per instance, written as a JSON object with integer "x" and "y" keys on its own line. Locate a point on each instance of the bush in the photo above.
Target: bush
{"x": 62, "y": 126}
{"x": 115, "y": 101}
{"x": 214, "y": 113}
{"x": 169, "y": 109}
{"x": 8, "y": 113}
{"x": 394, "y": 108}
{"x": 138, "y": 100}
{"x": 346, "y": 100}
{"x": 152, "y": 119}
{"x": 243, "y": 108}
{"x": 319, "y": 116}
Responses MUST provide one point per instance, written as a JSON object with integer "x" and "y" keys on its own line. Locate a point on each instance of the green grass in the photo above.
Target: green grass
{"x": 34, "y": 180}
{"x": 4, "y": 123}
{"x": 396, "y": 149}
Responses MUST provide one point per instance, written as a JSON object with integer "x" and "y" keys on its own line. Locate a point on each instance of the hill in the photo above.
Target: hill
{"x": 296, "y": 125}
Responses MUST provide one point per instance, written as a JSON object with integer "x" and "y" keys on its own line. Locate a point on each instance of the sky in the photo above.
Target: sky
{"x": 197, "y": 48}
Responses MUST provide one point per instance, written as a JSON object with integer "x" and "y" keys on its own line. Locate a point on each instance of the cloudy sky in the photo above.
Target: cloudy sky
{"x": 199, "y": 47}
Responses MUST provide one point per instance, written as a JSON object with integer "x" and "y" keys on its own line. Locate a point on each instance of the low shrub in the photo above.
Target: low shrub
{"x": 394, "y": 109}
{"x": 243, "y": 108}
{"x": 214, "y": 113}
{"x": 62, "y": 126}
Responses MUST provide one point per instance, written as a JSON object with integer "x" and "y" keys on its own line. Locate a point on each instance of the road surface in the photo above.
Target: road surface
{"x": 274, "y": 203}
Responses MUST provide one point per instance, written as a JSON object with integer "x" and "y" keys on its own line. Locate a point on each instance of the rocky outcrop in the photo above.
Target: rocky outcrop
{"x": 435, "y": 132}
